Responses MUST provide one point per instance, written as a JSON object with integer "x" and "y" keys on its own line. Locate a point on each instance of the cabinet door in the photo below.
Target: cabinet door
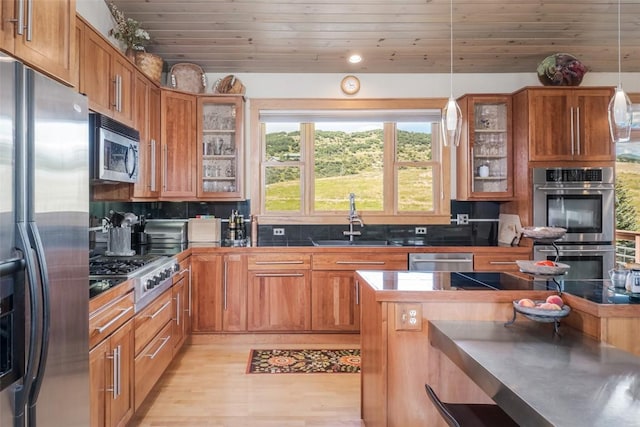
{"x": 485, "y": 154}
{"x": 335, "y": 301}
{"x": 178, "y": 144}
{"x": 120, "y": 406}
{"x": 48, "y": 39}
{"x": 98, "y": 384}
{"x": 279, "y": 300}
{"x": 95, "y": 75}
{"x": 206, "y": 276}
{"x": 594, "y": 139}
{"x": 234, "y": 293}
{"x": 179, "y": 331}
{"x": 147, "y": 121}
{"x": 124, "y": 76}
{"x": 220, "y": 143}
{"x": 550, "y": 125}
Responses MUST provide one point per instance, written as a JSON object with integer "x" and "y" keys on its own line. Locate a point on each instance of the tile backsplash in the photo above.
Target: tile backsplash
{"x": 481, "y": 230}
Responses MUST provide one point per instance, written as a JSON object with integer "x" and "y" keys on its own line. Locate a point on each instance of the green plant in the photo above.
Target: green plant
{"x": 128, "y": 30}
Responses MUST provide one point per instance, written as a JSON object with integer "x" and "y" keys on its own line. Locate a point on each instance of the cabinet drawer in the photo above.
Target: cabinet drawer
{"x": 104, "y": 321}
{"x": 151, "y": 363}
{"x": 279, "y": 262}
{"x": 344, "y": 261}
{"x": 150, "y": 320}
{"x": 183, "y": 271}
{"x": 500, "y": 262}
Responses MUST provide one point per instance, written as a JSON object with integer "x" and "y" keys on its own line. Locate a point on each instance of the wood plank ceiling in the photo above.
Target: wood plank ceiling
{"x": 393, "y": 36}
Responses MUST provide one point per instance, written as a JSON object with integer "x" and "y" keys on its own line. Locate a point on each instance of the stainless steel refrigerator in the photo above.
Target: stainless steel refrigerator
{"x": 44, "y": 266}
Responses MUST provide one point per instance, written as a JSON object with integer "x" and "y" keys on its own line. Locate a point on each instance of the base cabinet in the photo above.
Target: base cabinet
{"x": 335, "y": 301}
{"x": 279, "y": 292}
{"x": 153, "y": 329}
{"x": 110, "y": 372}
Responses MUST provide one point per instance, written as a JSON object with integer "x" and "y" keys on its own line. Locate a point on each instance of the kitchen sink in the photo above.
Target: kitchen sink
{"x": 351, "y": 243}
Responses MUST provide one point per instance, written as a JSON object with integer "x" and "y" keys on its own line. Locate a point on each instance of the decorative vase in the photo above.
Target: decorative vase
{"x": 130, "y": 53}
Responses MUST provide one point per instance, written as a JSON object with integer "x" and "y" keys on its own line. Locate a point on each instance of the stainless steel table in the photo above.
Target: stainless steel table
{"x": 541, "y": 379}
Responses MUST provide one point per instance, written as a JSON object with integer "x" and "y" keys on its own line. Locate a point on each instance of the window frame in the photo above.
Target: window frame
{"x": 390, "y": 215}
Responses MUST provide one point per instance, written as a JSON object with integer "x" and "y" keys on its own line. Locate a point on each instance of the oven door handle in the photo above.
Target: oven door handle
{"x": 577, "y": 188}
{"x": 591, "y": 251}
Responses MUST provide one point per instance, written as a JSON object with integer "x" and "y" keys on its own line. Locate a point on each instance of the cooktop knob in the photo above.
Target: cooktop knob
{"x": 149, "y": 284}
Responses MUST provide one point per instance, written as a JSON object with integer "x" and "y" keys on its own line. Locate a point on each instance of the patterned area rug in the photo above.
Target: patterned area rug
{"x": 304, "y": 361}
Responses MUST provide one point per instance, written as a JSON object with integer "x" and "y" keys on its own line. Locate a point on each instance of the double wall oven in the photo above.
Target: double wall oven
{"x": 582, "y": 200}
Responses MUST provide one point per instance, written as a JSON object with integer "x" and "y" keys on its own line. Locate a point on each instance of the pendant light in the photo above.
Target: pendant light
{"x": 451, "y": 122}
{"x": 620, "y": 105}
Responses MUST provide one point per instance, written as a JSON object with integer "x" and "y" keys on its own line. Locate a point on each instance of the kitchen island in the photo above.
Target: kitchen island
{"x": 543, "y": 379}
{"x": 398, "y": 359}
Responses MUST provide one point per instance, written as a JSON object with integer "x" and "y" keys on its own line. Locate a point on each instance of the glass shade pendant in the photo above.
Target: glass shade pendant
{"x": 620, "y": 116}
{"x": 451, "y": 123}
{"x": 620, "y": 105}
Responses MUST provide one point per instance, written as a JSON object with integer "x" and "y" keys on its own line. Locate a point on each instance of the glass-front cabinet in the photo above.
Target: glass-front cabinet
{"x": 484, "y": 156}
{"x": 220, "y": 157}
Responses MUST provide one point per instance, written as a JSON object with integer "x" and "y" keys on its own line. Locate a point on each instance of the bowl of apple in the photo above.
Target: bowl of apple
{"x": 549, "y": 310}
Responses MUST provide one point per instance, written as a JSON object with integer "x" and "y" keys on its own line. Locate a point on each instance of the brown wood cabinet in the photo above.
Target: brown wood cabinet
{"x": 110, "y": 373}
{"x": 279, "y": 292}
{"x": 335, "y": 301}
{"x": 219, "y": 293}
{"x": 335, "y": 294}
{"x": 147, "y": 121}
{"x": 178, "y": 136}
{"x": 181, "y": 305}
{"x": 45, "y": 39}
{"x": 153, "y": 349}
{"x": 106, "y": 77}
{"x": 220, "y": 147}
{"x": 558, "y": 124}
{"x": 485, "y": 153}
{"x": 499, "y": 262}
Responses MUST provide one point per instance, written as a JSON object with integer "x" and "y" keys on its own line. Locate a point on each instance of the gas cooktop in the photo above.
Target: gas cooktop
{"x": 107, "y": 266}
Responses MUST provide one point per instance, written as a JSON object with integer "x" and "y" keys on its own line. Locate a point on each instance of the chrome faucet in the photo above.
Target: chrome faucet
{"x": 353, "y": 218}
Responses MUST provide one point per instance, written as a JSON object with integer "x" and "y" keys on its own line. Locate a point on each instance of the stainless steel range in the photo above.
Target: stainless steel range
{"x": 152, "y": 275}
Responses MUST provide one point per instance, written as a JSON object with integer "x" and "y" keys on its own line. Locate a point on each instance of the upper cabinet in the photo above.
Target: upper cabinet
{"x": 484, "y": 156}
{"x": 561, "y": 124}
{"x": 42, "y": 34}
{"x": 147, "y": 121}
{"x": 220, "y": 144}
{"x": 178, "y": 136}
{"x": 106, "y": 77}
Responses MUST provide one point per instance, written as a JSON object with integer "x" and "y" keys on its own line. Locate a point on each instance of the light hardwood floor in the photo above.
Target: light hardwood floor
{"x": 206, "y": 385}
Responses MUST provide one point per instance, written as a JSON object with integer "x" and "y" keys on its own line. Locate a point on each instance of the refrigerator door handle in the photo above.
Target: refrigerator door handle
{"x": 46, "y": 321}
{"x": 22, "y": 391}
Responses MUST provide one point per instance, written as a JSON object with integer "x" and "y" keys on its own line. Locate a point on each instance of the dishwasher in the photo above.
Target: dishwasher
{"x": 459, "y": 261}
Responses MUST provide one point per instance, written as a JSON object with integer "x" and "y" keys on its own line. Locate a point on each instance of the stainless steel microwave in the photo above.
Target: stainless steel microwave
{"x": 114, "y": 150}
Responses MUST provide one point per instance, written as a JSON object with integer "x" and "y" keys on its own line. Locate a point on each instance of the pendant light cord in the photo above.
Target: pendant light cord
{"x": 451, "y": 44}
{"x": 619, "y": 50}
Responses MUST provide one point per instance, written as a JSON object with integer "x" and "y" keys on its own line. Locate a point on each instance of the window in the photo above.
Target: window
{"x": 314, "y": 153}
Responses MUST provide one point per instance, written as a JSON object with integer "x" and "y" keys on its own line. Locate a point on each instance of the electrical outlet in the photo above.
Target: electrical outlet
{"x": 463, "y": 219}
{"x": 278, "y": 231}
{"x": 421, "y": 230}
{"x": 408, "y": 317}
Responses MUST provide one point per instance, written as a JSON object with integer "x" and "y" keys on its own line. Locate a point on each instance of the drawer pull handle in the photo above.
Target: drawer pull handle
{"x": 361, "y": 262}
{"x": 279, "y": 262}
{"x": 165, "y": 305}
{"x": 123, "y": 312}
{"x": 279, "y": 275}
{"x": 164, "y": 340}
{"x": 502, "y": 262}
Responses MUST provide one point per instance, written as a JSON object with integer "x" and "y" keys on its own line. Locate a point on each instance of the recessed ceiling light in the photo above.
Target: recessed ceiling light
{"x": 355, "y": 58}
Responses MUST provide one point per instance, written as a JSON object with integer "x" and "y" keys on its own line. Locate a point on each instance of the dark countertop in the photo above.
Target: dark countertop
{"x": 541, "y": 379}
{"x": 596, "y": 291}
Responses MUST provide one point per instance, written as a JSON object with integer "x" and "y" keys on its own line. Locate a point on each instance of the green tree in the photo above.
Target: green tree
{"x": 626, "y": 214}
